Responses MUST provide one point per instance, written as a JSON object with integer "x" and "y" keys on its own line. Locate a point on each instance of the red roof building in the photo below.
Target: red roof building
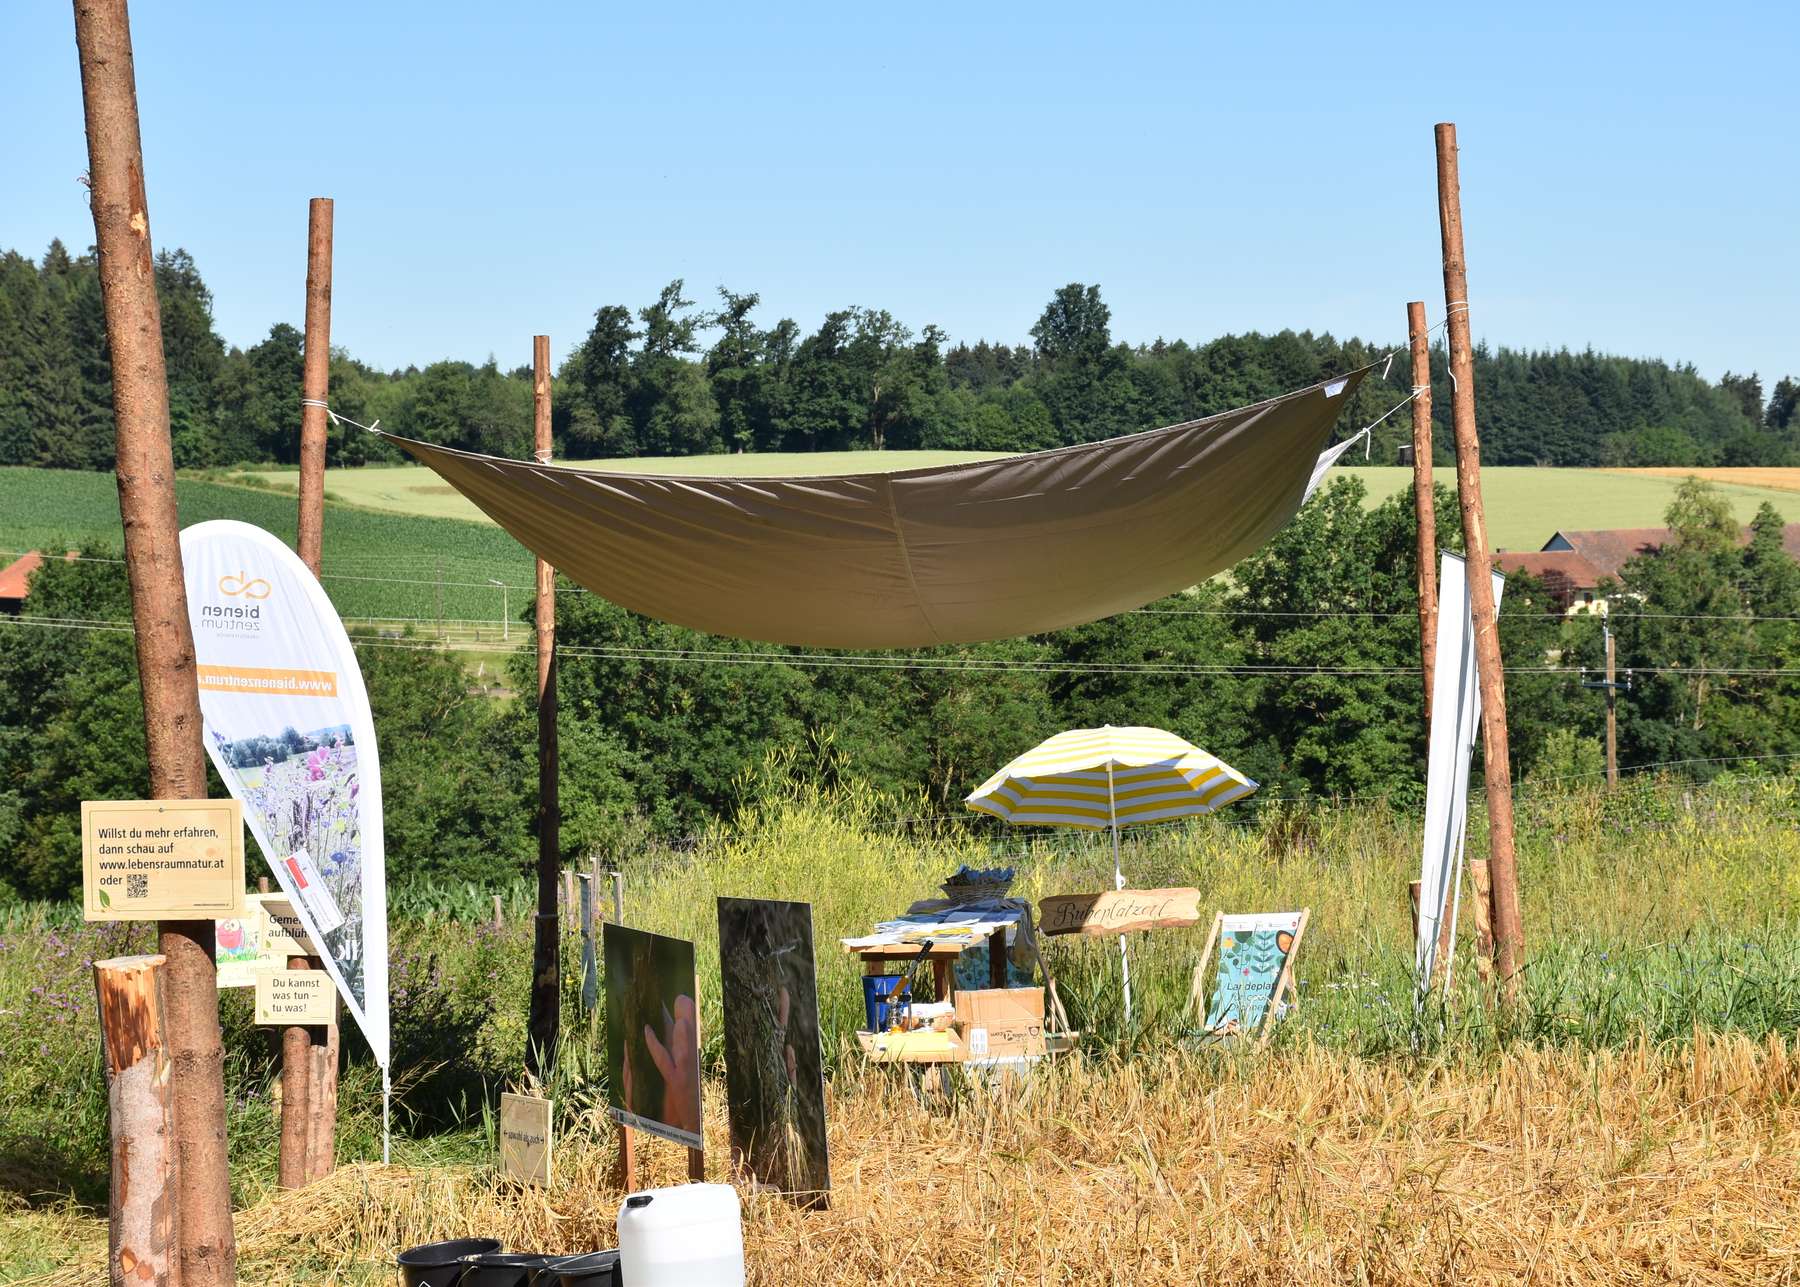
{"x": 15, "y": 580}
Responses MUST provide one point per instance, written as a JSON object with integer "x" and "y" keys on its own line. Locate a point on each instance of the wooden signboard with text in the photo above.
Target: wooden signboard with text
{"x": 525, "y": 1130}
{"x": 283, "y": 934}
{"x": 1119, "y": 911}
{"x": 295, "y": 998}
{"x": 162, "y": 860}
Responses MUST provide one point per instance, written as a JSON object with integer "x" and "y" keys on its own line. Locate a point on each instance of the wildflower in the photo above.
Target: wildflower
{"x": 315, "y": 764}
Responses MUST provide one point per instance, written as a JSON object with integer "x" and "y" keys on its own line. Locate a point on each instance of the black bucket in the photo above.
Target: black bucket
{"x": 596, "y": 1269}
{"x": 441, "y": 1264}
{"x": 498, "y": 1269}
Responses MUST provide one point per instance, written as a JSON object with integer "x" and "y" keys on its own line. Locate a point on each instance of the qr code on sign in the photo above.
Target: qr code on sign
{"x": 137, "y": 885}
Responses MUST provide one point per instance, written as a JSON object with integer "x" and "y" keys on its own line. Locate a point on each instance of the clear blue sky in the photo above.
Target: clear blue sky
{"x": 1629, "y": 172}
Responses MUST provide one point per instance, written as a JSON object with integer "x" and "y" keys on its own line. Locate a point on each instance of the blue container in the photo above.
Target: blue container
{"x": 885, "y": 998}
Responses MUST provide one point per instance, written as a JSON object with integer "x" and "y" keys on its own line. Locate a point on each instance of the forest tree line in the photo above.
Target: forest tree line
{"x": 685, "y": 376}
{"x": 1321, "y": 703}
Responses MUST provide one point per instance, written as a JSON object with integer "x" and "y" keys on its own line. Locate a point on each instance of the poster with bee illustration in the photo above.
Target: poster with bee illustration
{"x": 774, "y": 1076}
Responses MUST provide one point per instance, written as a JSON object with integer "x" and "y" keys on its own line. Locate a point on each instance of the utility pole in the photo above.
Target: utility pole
{"x": 309, "y": 1055}
{"x": 543, "y": 1025}
{"x": 1424, "y": 495}
{"x": 164, "y": 641}
{"x": 1509, "y": 934}
{"x": 1612, "y": 710}
{"x": 1611, "y": 685}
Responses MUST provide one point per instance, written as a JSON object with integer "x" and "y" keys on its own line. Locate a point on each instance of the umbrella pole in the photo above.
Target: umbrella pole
{"x": 1112, "y": 807}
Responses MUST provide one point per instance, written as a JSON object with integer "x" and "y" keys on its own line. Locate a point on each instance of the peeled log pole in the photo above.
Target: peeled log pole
{"x": 1424, "y": 495}
{"x": 1509, "y": 935}
{"x": 309, "y": 1054}
{"x": 315, "y": 384}
{"x": 140, "y": 1104}
{"x": 543, "y": 1027}
{"x": 165, "y": 646}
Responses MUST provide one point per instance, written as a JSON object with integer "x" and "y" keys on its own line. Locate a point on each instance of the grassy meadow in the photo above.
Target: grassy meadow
{"x": 1635, "y": 1119}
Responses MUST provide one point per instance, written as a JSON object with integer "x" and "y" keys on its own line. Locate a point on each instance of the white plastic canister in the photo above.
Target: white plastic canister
{"x": 689, "y": 1235}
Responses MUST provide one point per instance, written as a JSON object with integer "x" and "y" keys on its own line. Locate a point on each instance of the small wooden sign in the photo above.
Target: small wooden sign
{"x": 282, "y": 933}
{"x": 1119, "y": 911}
{"x": 161, "y": 860}
{"x": 287, "y": 998}
{"x": 525, "y": 1143}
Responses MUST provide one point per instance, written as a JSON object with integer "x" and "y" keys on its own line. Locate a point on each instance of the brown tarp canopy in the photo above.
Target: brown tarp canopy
{"x": 950, "y": 554}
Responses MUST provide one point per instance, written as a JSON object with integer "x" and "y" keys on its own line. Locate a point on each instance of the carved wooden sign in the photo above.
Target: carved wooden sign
{"x": 1119, "y": 911}
{"x": 525, "y": 1138}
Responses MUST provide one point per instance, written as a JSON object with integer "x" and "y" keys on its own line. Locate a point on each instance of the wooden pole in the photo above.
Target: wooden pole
{"x": 309, "y": 1054}
{"x": 1481, "y": 894}
{"x": 1424, "y": 495}
{"x": 142, "y": 1250}
{"x": 165, "y": 646}
{"x": 1612, "y": 710}
{"x": 315, "y": 382}
{"x": 1509, "y": 935}
{"x": 546, "y": 967}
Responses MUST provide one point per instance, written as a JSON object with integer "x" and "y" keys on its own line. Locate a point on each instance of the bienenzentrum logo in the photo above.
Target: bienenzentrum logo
{"x": 250, "y": 588}
{"x": 243, "y": 617}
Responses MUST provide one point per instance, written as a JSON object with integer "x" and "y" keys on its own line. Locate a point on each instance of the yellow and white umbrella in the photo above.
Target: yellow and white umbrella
{"x": 1109, "y": 777}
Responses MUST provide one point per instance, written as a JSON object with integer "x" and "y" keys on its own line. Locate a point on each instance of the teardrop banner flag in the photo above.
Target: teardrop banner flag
{"x": 289, "y": 730}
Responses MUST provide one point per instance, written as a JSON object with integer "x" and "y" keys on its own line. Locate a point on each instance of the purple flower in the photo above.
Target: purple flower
{"x": 315, "y": 764}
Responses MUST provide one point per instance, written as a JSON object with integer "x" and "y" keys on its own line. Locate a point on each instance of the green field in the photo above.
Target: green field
{"x": 378, "y": 566}
{"x": 1524, "y": 505}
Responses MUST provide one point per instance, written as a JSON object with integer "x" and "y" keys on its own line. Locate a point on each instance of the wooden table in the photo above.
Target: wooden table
{"x": 876, "y": 959}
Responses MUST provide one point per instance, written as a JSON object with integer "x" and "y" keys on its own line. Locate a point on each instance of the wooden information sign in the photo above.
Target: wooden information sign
{"x": 283, "y": 934}
{"x": 525, "y": 1143}
{"x": 1117, "y": 911}
{"x": 294, "y": 998}
{"x": 161, "y": 860}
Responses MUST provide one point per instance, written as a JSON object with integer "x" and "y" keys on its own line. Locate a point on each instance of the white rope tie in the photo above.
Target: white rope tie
{"x": 336, "y": 419}
{"x": 543, "y": 457}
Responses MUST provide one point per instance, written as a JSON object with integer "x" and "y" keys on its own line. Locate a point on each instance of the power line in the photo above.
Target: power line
{"x": 1318, "y": 613}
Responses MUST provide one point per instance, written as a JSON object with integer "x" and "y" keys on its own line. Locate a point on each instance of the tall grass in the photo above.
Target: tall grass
{"x": 1660, "y": 919}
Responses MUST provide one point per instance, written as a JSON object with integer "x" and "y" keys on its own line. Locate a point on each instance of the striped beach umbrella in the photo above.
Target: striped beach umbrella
{"x": 1108, "y": 778}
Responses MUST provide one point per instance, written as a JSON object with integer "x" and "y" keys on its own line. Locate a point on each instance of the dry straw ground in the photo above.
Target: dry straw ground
{"x": 1647, "y": 1165}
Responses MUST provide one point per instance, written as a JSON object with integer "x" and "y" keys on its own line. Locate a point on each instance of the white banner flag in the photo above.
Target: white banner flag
{"x": 288, "y": 728}
{"x": 1455, "y": 722}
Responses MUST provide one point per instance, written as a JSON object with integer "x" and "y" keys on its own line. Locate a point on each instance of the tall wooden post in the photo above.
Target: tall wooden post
{"x": 165, "y": 645}
{"x": 315, "y": 383}
{"x": 546, "y": 967}
{"x": 143, "y": 1202}
{"x": 1509, "y": 937}
{"x": 309, "y": 1061}
{"x": 1424, "y": 496}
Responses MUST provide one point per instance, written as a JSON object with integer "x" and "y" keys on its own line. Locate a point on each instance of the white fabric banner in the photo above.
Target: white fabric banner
{"x": 289, "y": 730}
{"x": 1455, "y": 723}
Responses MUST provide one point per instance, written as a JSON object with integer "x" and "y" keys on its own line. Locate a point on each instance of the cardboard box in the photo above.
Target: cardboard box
{"x": 1013, "y": 1019}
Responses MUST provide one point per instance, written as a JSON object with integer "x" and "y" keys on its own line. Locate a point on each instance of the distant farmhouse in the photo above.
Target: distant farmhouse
{"x": 1573, "y": 564}
{"x": 15, "y": 581}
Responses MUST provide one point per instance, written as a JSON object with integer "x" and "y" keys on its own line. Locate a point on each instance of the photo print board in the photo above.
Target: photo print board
{"x": 652, "y": 1034}
{"x": 774, "y": 1073}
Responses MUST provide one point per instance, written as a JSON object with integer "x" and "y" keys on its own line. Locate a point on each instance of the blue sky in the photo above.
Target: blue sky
{"x": 1628, "y": 171}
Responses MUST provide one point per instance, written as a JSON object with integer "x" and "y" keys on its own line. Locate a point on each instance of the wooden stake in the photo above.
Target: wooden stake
{"x": 309, "y": 1054}
{"x": 546, "y": 966}
{"x": 262, "y": 884}
{"x": 1509, "y": 934}
{"x": 142, "y": 1250}
{"x": 1481, "y": 893}
{"x": 1424, "y": 496}
{"x": 165, "y": 647}
{"x": 315, "y": 383}
{"x": 499, "y": 916}
{"x": 618, "y": 884}
{"x": 291, "y": 1166}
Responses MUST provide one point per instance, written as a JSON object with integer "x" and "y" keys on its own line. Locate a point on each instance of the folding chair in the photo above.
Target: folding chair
{"x": 1256, "y": 972}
